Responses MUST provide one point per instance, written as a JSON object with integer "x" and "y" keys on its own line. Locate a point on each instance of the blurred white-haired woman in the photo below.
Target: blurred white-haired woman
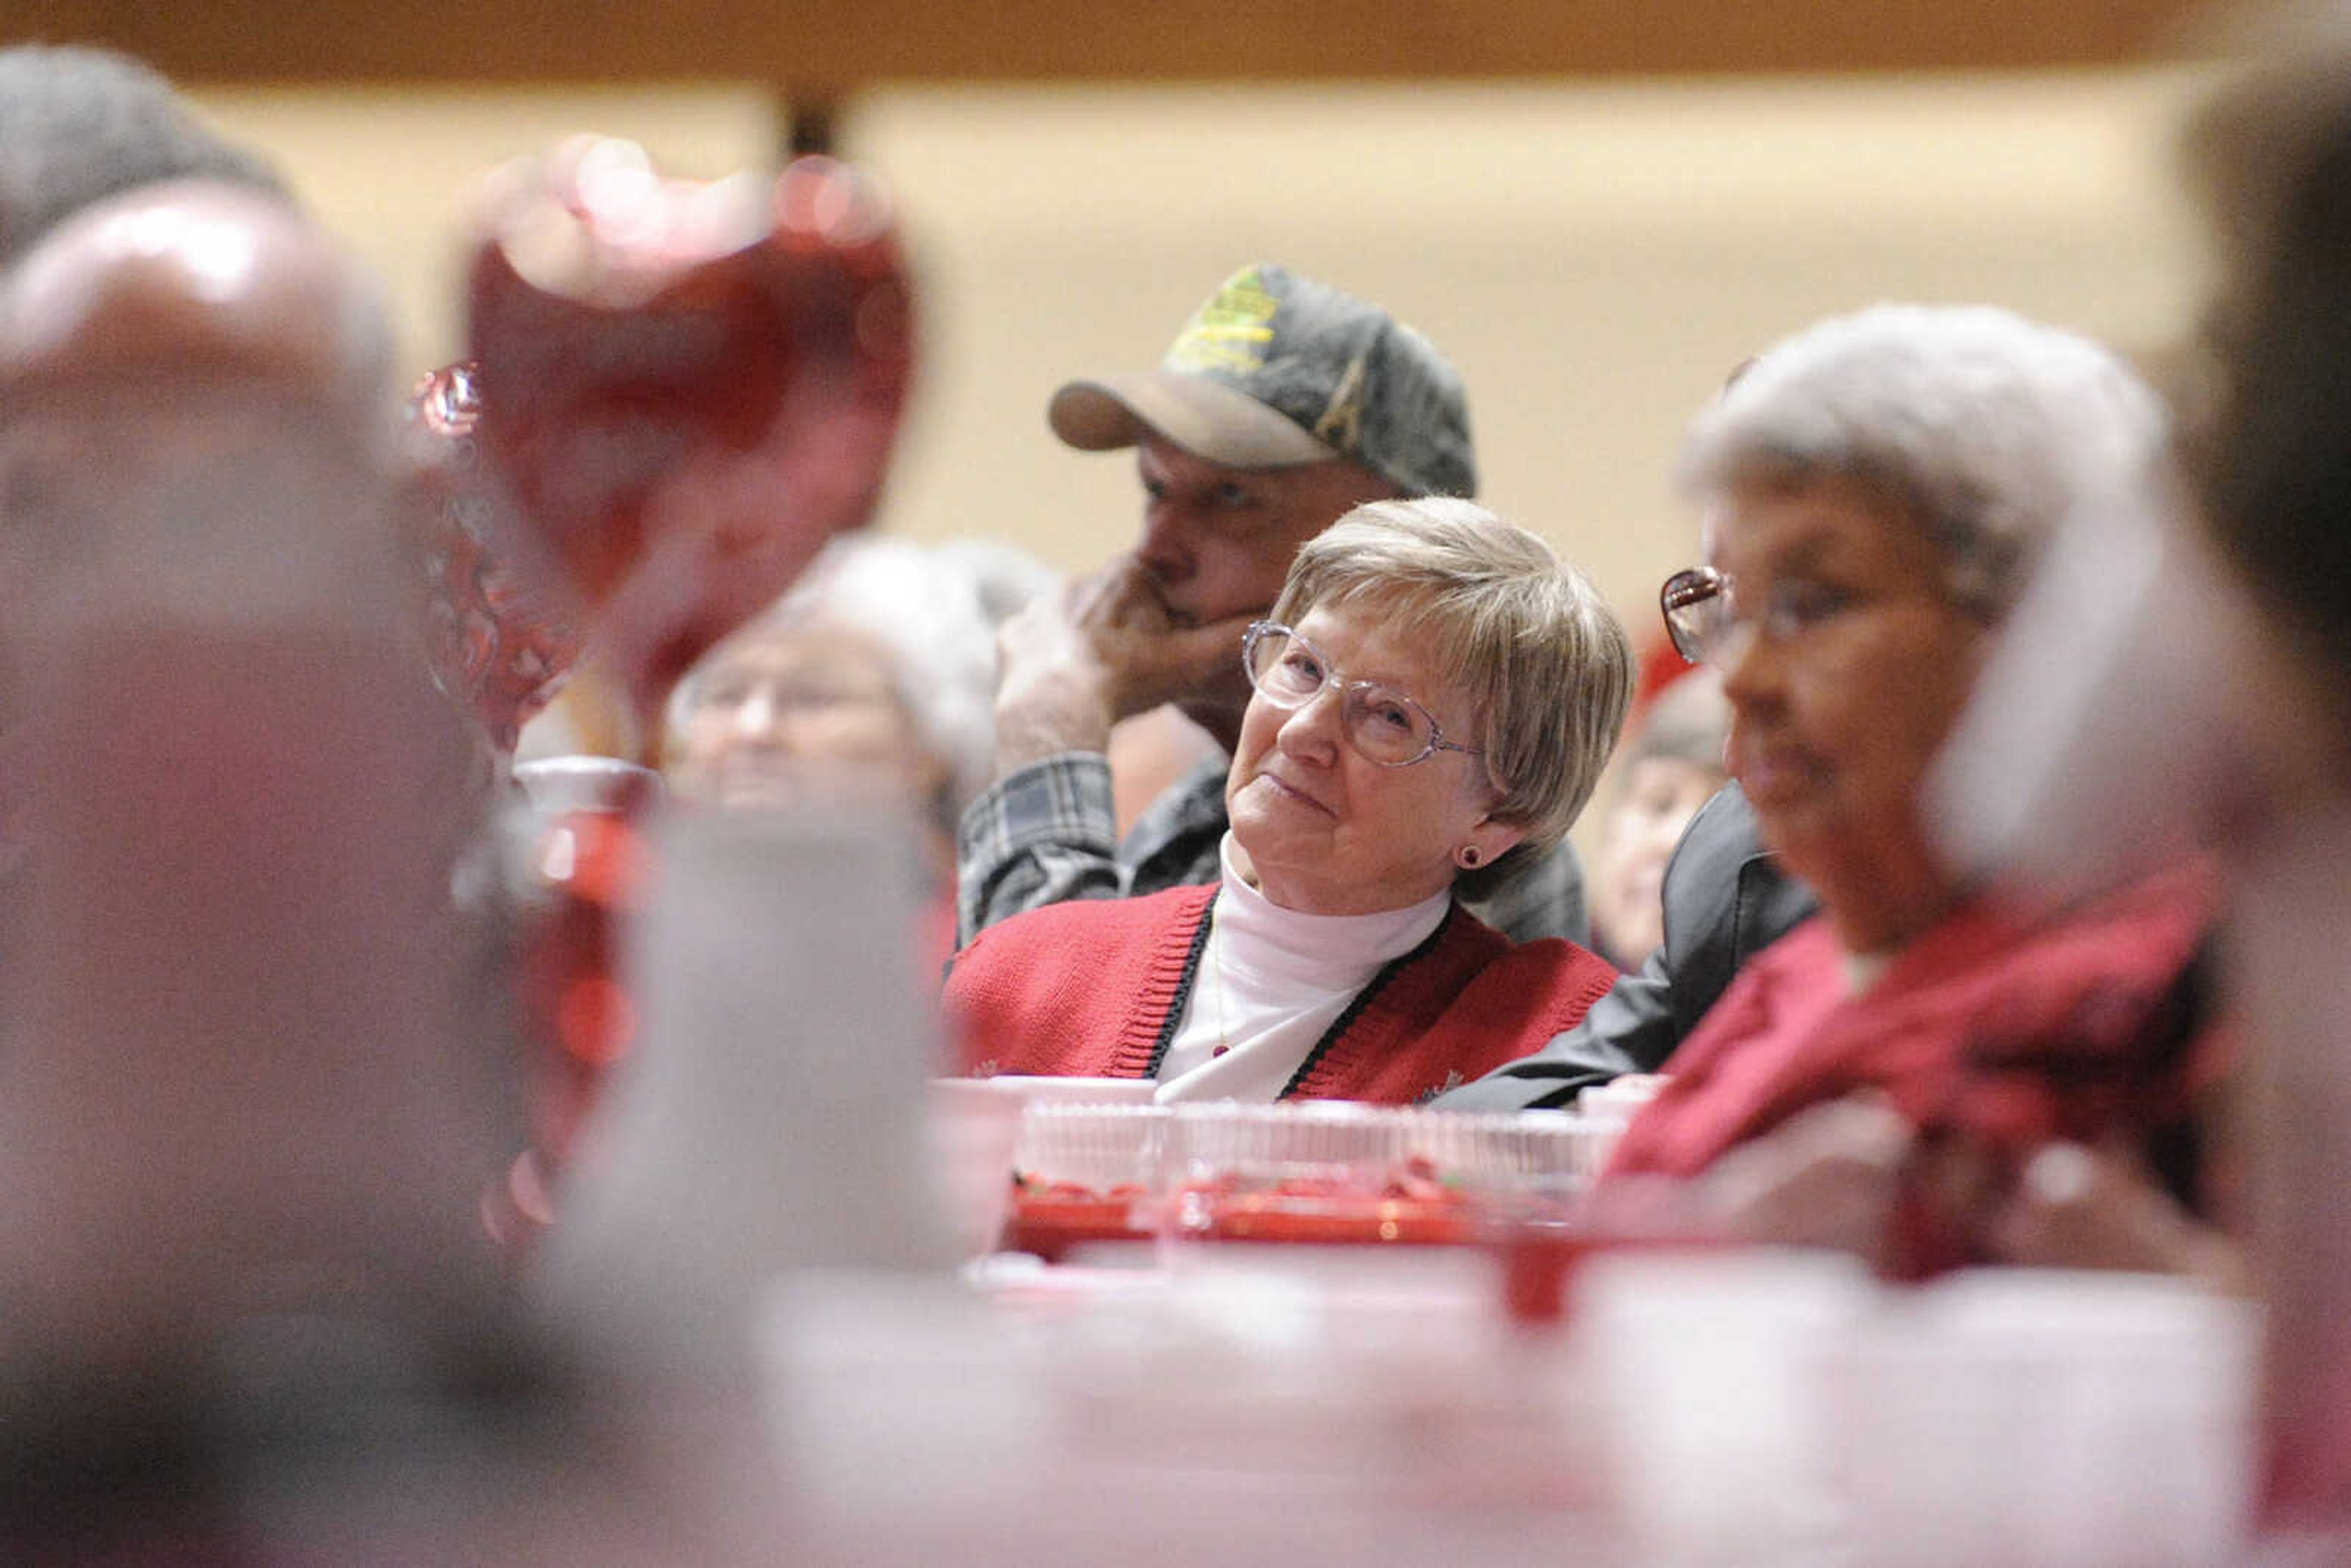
{"x": 871, "y": 683}
{"x": 1883, "y": 1076}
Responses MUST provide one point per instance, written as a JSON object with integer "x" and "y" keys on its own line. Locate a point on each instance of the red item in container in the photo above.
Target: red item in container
{"x": 1344, "y": 1221}
{"x": 1049, "y": 1219}
{"x": 1411, "y": 1204}
{"x": 595, "y": 867}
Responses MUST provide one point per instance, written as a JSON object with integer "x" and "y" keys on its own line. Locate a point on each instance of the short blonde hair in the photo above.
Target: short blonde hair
{"x": 1528, "y": 636}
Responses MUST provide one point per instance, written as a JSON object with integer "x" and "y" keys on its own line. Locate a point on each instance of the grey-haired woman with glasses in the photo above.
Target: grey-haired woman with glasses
{"x": 1435, "y": 693}
{"x": 1924, "y": 1072}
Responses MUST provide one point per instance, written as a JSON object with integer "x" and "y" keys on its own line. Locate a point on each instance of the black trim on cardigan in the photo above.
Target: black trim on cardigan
{"x": 1183, "y": 987}
{"x": 1364, "y": 999}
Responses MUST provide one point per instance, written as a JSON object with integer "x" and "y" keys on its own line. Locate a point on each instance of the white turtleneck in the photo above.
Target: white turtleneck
{"x": 1269, "y": 981}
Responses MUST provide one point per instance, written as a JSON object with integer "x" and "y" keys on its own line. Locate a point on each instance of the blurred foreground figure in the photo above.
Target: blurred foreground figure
{"x": 2205, "y": 697}
{"x": 255, "y": 1064}
{"x": 240, "y": 842}
{"x": 246, "y": 1086}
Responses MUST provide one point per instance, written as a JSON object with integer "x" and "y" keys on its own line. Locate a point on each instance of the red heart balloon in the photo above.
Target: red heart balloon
{"x": 689, "y": 387}
{"x": 499, "y": 642}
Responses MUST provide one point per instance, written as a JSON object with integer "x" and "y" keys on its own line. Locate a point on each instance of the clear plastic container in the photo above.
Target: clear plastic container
{"x": 1085, "y": 1175}
{"x": 1342, "y": 1173}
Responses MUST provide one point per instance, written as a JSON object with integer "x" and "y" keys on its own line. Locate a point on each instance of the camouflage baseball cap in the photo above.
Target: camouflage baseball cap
{"x": 1277, "y": 369}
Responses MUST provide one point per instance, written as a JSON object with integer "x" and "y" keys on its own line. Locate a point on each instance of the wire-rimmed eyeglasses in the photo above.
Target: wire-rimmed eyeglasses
{"x": 1700, "y": 612}
{"x": 1383, "y": 723}
{"x": 1711, "y": 617}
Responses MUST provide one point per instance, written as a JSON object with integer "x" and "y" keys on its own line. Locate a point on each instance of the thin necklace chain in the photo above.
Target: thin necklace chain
{"x": 1217, "y": 982}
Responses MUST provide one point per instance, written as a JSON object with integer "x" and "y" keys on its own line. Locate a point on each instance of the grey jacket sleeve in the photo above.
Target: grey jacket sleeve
{"x": 1630, "y": 1030}
{"x": 1725, "y": 899}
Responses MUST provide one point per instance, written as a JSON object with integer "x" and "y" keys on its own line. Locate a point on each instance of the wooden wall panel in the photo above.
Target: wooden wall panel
{"x": 829, "y": 44}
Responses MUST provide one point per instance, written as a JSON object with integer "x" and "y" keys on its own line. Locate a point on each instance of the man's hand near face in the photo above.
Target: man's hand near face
{"x": 1106, "y": 648}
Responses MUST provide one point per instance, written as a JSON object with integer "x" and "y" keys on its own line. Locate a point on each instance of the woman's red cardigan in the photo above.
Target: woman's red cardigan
{"x": 1096, "y": 988}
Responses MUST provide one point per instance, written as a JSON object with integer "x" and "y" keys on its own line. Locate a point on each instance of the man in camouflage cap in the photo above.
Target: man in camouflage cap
{"x": 1281, "y": 404}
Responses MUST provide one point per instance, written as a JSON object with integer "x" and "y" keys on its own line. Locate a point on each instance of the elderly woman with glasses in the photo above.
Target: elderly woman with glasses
{"x": 1889, "y": 1072}
{"x": 1434, "y": 698}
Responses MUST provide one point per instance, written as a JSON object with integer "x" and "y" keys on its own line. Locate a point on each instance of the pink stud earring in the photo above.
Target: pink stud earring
{"x": 1470, "y": 858}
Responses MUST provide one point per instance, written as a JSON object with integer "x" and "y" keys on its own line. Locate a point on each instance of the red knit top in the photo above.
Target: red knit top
{"x": 1097, "y": 988}
{"x": 2001, "y": 1032}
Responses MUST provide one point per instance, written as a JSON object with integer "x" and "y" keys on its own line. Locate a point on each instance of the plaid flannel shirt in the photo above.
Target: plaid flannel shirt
{"x": 1048, "y": 833}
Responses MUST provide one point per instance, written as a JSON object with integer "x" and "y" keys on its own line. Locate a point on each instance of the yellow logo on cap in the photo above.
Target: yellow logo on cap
{"x": 1228, "y": 332}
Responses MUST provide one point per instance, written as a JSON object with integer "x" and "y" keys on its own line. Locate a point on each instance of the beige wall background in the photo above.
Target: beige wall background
{"x": 1595, "y": 257}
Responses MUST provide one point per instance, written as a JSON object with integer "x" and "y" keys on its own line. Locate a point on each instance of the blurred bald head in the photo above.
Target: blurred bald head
{"x": 193, "y": 281}
{"x": 210, "y": 618}
{"x": 195, "y": 411}
{"x": 77, "y": 125}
